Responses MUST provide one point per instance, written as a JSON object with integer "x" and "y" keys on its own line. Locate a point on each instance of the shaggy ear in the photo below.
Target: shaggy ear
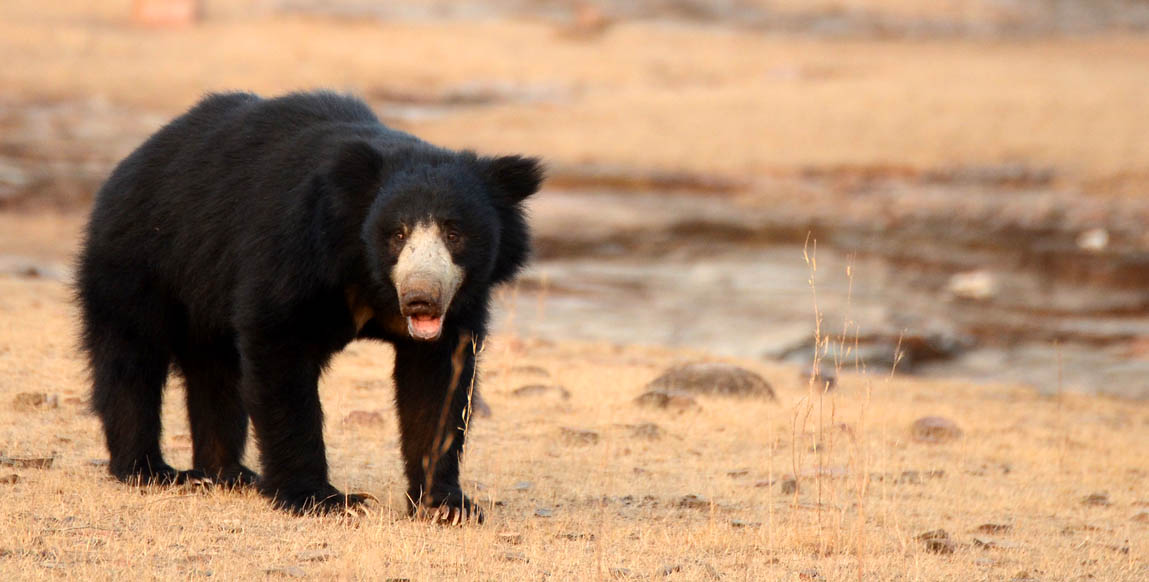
{"x": 515, "y": 176}
{"x": 357, "y": 168}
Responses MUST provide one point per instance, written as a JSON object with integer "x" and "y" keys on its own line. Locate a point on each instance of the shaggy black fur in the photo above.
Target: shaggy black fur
{"x": 235, "y": 244}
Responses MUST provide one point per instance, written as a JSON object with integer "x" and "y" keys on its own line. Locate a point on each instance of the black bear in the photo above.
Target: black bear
{"x": 248, "y": 241}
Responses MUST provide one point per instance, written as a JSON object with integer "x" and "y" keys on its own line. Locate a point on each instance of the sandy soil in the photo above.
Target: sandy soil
{"x": 618, "y": 506}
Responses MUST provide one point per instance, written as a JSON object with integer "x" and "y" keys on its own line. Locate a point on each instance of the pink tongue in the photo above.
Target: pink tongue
{"x": 425, "y": 326}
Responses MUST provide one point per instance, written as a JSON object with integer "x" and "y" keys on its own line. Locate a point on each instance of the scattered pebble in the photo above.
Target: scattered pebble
{"x": 544, "y": 512}
{"x": 513, "y": 538}
{"x": 713, "y": 378}
{"x": 693, "y": 501}
{"x": 665, "y": 400}
{"x": 994, "y": 528}
{"x": 315, "y": 555}
{"x": 479, "y": 406}
{"x": 937, "y": 541}
{"x": 522, "y": 486}
{"x": 991, "y": 543}
{"x": 619, "y": 573}
{"x": 288, "y": 571}
{"x": 647, "y": 430}
{"x": 529, "y": 390}
{"x": 669, "y": 569}
{"x": 9, "y": 479}
{"x": 973, "y": 285}
{"x": 27, "y": 462}
{"x": 578, "y": 436}
{"x": 515, "y": 557}
{"x": 810, "y": 574}
{"x": 935, "y": 430}
{"x": 1100, "y": 499}
{"x": 29, "y": 401}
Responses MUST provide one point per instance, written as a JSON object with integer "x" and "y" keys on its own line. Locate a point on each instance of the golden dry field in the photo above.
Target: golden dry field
{"x": 579, "y": 480}
{"x": 644, "y": 94}
{"x": 592, "y": 486}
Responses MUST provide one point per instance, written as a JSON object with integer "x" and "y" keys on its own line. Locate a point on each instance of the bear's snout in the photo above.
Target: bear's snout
{"x": 422, "y": 297}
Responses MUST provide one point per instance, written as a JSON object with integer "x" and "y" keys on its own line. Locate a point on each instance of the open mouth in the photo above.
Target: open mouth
{"x": 425, "y": 327}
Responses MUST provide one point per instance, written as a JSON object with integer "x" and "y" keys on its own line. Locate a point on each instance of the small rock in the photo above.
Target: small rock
{"x": 479, "y": 406}
{"x": 513, "y": 538}
{"x": 937, "y": 541}
{"x": 529, "y": 390}
{"x": 911, "y": 477}
{"x": 578, "y": 436}
{"x": 665, "y": 400}
{"x": 575, "y": 536}
{"x": 825, "y": 379}
{"x": 315, "y": 555}
{"x": 98, "y": 462}
{"x": 693, "y": 501}
{"x": 713, "y": 378}
{"x": 288, "y": 571}
{"x": 364, "y": 418}
{"x": 1094, "y": 239}
{"x": 994, "y": 528}
{"x": 9, "y": 479}
{"x": 27, "y": 462}
{"x": 1141, "y": 517}
{"x": 973, "y": 285}
{"x": 991, "y": 543}
{"x": 515, "y": 557}
{"x": 620, "y": 573}
{"x": 1100, "y": 499}
{"x": 28, "y": 401}
{"x": 647, "y": 430}
{"x": 744, "y": 523}
{"x": 669, "y": 569}
{"x": 737, "y": 473}
{"x": 789, "y": 486}
{"x": 934, "y": 430}
{"x": 522, "y": 486}
{"x": 544, "y": 512}
{"x": 810, "y": 574}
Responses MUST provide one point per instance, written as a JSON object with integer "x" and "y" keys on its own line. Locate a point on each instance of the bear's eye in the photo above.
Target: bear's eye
{"x": 453, "y": 236}
{"x": 399, "y": 236}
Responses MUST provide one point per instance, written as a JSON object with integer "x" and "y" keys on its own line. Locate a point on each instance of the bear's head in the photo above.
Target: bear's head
{"x": 440, "y": 229}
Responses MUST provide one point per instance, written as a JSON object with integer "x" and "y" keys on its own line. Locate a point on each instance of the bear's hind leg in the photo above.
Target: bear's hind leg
{"x": 128, "y": 374}
{"x": 215, "y": 412}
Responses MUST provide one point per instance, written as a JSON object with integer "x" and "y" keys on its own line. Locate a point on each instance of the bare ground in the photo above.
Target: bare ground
{"x": 700, "y": 495}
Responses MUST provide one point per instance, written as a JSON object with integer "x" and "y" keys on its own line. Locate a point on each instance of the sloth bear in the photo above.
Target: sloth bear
{"x": 251, "y": 239}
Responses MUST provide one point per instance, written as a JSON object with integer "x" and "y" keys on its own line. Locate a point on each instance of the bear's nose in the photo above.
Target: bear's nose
{"x": 420, "y": 298}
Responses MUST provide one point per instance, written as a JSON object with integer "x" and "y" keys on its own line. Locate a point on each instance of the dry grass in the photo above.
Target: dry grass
{"x": 735, "y": 102}
{"x": 1025, "y": 461}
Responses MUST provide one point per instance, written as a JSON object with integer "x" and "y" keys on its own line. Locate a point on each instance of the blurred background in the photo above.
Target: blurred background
{"x": 957, "y": 188}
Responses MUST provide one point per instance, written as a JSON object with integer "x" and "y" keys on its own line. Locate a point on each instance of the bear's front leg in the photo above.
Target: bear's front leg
{"x": 432, "y": 382}
{"x": 280, "y": 389}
